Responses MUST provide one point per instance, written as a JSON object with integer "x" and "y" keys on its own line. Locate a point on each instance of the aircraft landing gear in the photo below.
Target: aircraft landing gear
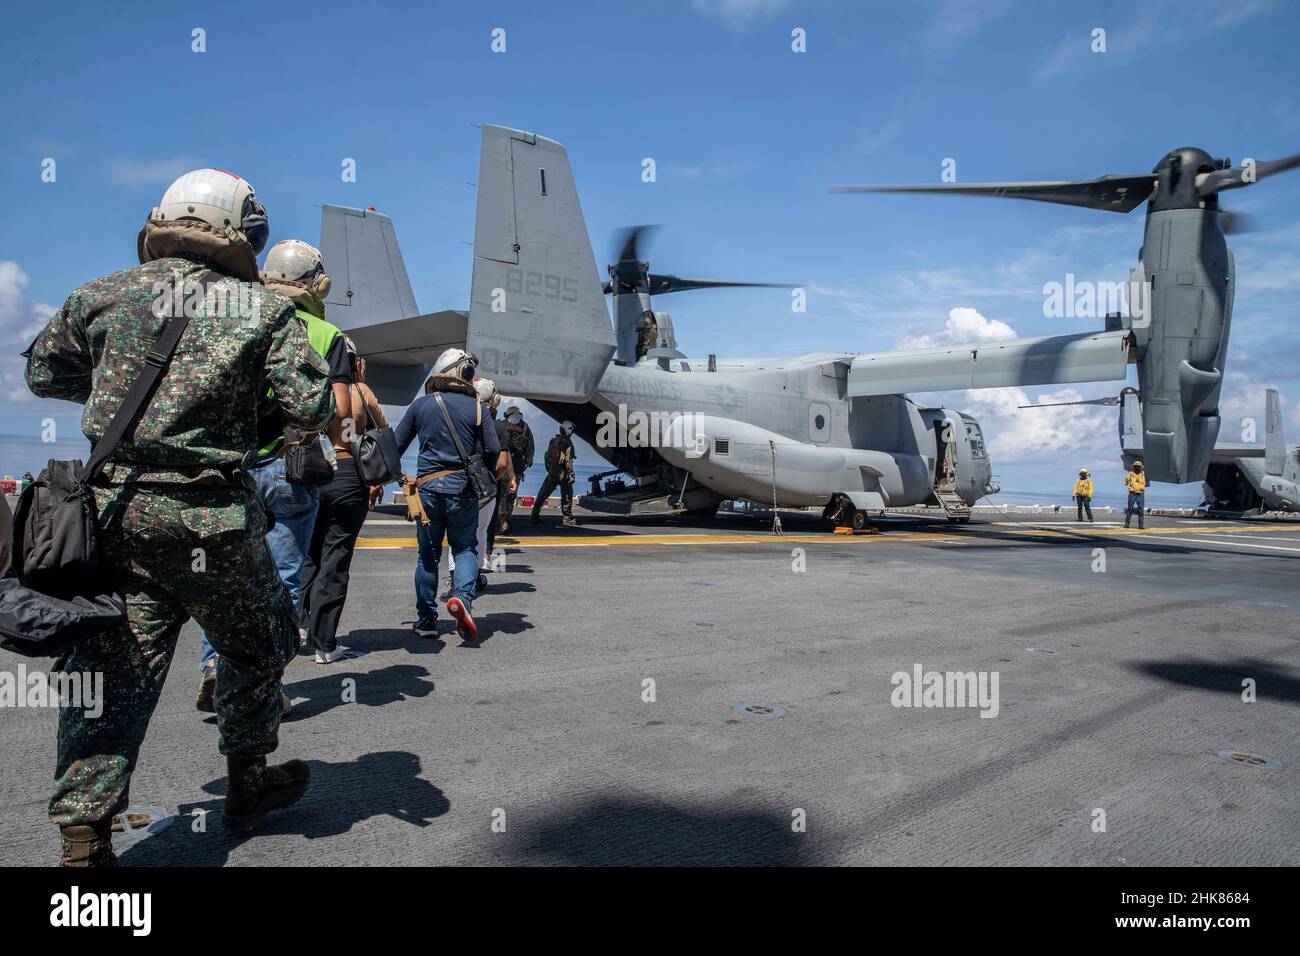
{"x": 840, "y": 513}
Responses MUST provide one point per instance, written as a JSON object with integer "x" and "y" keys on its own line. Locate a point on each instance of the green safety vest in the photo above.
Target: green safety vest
{"x": 321, "y": 335}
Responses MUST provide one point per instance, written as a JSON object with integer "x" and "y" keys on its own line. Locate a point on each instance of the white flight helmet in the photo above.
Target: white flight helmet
{"x": 487, "y": 392}
{"x": 221, "y": 199}
{"x": 566, "y": 426}
{"x": 297, "y": 261}
{"x": 456, "y": 362}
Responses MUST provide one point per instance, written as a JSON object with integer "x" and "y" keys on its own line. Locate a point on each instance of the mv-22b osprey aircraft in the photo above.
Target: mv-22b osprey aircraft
{"x": 830, "y": 429}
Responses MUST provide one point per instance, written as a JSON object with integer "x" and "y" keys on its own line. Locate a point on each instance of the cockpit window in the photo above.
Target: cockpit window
{"x": 976, "y": 438}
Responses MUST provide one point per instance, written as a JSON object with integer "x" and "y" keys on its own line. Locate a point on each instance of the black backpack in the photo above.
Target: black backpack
{"x": 52, "y": 597}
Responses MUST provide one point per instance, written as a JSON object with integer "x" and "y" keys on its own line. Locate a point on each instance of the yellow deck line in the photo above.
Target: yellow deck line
{"x": 601, "y": 541}
{"x": 577, "y": 541}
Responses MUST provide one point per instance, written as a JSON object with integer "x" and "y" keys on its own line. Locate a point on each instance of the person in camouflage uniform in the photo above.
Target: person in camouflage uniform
{"x": 181, "y": 532}
{"x": 521, "y": 457}
{"x": 559, "y": 473}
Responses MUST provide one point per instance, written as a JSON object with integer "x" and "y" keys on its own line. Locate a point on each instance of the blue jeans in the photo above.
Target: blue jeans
{"x": 294, "y": 507}
{"x": 456, "y": 516}
{"x": 1137, "y": 505}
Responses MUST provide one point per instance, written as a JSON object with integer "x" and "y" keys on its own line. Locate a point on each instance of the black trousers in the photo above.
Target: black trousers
{"x": 1084, "y": 501}
{"x": 494, "y": 525}
{"x": 343, "y": 506}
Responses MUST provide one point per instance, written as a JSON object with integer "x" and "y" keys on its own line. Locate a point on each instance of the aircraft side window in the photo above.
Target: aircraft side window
{"x": 976, "y": 438}
{"x": 819, "y": 422}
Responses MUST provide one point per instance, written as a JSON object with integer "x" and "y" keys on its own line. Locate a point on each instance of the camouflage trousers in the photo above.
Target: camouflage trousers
{"x": 174, "y": 552}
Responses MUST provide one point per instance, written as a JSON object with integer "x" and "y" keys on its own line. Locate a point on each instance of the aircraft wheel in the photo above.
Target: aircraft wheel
{"x": 855, "y": 519}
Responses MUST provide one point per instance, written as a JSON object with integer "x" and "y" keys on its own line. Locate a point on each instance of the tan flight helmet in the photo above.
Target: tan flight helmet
{"x": 221, "y": 199}
{"x": 293, "y": 260}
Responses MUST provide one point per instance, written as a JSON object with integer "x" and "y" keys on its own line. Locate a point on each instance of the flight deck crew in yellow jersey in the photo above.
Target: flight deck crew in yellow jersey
{"x": 1083, "y": 494}
{"x": 1136, "y": 480}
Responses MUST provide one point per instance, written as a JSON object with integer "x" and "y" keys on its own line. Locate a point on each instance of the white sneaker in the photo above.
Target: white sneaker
{"x": 324, "y": 657}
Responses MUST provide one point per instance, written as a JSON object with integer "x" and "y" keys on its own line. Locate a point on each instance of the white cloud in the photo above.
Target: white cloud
{"x": 157, "y": 172}
{"x": 964, "y": 325}
{"x": 738, "y": 14}
{"x": 1155, "y": 25}
{"x": 955, "y": 21}
{"x": 20, "y": 322}
{"x": 1077, "y": 436}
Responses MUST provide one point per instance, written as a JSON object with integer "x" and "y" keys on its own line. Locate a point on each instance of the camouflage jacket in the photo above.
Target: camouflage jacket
{"x": 242, "y": 339}
{"x": 559, "y": 456}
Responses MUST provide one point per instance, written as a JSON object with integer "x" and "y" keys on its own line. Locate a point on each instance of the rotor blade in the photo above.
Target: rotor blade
{"x": 1244, "y": 175}
{"x": 1111, "y": 193}
{"x": 1112, "y": 401}
{"x": 628, "y": 242}
{"x": 1236, "y": 223}
{"x": 663, "y": 284}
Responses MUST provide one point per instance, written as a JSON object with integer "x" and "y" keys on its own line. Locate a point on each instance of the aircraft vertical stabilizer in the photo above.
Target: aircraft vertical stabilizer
{"x": 1274, "y": 440}
{"x": 537, "y": 322}
{"x": 370, "y": 299}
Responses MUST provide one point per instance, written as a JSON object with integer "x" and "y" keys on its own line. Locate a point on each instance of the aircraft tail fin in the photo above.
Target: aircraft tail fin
{"x": 1274, "y": 440}
{"x": 537, "y": 321}
{"x": 370, "y": 299}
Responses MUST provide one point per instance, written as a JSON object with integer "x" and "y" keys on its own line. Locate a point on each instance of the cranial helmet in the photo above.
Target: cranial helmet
{"x": 487, "y": 391}
{"x": 566, "y": 426}
{"x": 221, "y": 199}
{"x": 456, "y": 362}
{"x": 513, "y": 415}
{"x": 297, "y": 261}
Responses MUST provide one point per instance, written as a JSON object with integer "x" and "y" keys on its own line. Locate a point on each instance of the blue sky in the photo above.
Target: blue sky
{"x": 745, "y": 133}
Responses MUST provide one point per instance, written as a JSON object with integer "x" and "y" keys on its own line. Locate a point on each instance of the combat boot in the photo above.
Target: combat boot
{"x": 205, "y": 700}
{"x": 85, "y": 846}
{"x": 570, "y": 522}
{"x": 256, "y": 789}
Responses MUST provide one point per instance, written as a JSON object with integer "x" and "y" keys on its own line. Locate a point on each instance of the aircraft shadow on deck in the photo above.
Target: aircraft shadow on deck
{"x": 1272, "y": 682}
{"x": 615, "y": 830}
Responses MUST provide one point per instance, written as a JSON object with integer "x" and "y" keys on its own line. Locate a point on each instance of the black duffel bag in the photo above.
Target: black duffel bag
{"x": 376, "y": 456}
{"x": 52, "y": 596}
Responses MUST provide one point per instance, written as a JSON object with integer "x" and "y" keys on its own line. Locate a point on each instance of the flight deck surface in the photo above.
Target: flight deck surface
{"x": 603, "y": 718}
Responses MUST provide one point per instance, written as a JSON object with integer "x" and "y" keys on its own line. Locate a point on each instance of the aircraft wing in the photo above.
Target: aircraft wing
{"x": 1055, "y": 360}
{"x": 1228, "y": 452}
